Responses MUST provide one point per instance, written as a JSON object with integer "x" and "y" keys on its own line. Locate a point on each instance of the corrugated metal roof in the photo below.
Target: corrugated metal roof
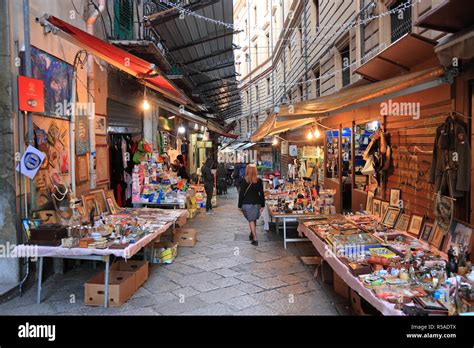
{"x": 203, "y": 50}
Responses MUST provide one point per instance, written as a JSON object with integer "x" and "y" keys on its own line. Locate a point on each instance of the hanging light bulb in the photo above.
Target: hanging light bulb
{"x": 146, "y": 103}
{"x": 317, "y": 133}
{"x": 310, "y": 135}
{"x": 181, "y": 130}
{"x": 275, "y": 141}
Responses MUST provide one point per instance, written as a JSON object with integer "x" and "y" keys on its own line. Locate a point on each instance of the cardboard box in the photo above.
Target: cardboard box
{"x": 182, "y": 221}
{"x": 138, "y": 268}
{"x": 340, "y": 287}
{"x": 185, "y": 237}
{"x": 121, "y": 288}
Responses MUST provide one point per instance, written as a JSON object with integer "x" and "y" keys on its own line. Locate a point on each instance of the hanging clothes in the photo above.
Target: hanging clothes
{"x": 451, "y": 165}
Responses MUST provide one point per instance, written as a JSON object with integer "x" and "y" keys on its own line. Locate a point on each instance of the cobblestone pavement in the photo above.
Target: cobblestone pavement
{"x": 223, "y": 275}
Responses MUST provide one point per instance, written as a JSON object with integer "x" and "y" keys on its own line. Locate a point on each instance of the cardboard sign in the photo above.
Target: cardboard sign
{"x": 30, "y": 94}
{"x": 31, "y": 162}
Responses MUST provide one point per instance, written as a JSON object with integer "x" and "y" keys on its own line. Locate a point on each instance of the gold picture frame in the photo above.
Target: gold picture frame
{"x": 391, "y": 216}
{"x": 383, "y": 208}
{"x": 437, "y": 237}
{"x": 395, "y": 195}
{"x": 376, "y": 206}
{"x": 403, "y": 222}
{"x": 416, "y": 223}
{"x": 113, "y": 206}
{"x": 427, "y": 232}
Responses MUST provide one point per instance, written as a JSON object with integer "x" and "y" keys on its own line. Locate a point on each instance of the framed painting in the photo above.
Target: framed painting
{"x": 376, "y": 206}
{"x": 100, "y": 201}
{"x": 427, "y": 232}
{"x": 100, "y": 125}
{"x": 391, "y": 216}
{"x": 383, "y": 208}
{"x": 403, "y": 222}
{"x": 395, "y": 197}
{"x": 102, "y": 160}
{"x": 416, "y": 223}
{"x": 82, "y": 169}
{"x": 57, "y": 76}
{"x": 437, "y": 237}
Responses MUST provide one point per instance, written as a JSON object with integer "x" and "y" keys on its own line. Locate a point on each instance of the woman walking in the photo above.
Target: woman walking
{"x": 251, "y": 199}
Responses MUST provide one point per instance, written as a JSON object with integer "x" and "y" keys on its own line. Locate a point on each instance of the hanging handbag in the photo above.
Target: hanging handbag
{"x": 369, "y": 168}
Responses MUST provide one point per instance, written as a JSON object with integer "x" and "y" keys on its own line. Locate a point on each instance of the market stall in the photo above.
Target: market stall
{"x": 393, "y": 270}
{"x": 121, "y": 234}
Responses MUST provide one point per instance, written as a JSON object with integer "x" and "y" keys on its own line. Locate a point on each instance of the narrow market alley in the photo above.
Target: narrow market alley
{"x": 222, "y": 275}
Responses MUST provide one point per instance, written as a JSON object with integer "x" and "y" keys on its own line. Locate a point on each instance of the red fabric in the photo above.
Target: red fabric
{"x": 121, "y": 59}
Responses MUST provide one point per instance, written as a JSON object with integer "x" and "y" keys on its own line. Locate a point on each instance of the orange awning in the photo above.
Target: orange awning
{"x": 306, "y": 112}
{"x": 322, "y": 106}
{"x": 121, "y": 59}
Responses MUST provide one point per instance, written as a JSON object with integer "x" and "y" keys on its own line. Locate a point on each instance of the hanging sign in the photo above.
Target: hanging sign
{"x": 31, "y": 162}
{"x": 284, "y": 147}
{"x": 293, "y": 150}
{"x": 30, "y": 94}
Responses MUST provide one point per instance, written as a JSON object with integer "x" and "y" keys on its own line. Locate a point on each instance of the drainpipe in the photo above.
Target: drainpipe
{"x": 31, "y": 141}
{"x": 91, "y": 88}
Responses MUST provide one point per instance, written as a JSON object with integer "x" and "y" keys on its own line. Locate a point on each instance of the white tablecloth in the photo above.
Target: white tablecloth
{"x": 132, "y": 249}
{"x": 342, "y": 271}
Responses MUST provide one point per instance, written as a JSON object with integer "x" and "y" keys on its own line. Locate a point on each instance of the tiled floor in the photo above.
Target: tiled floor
{"x": 223, "y": 275}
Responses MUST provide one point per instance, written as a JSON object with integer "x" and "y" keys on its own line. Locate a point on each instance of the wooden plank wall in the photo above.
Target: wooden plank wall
{"x": 410, "y": 170}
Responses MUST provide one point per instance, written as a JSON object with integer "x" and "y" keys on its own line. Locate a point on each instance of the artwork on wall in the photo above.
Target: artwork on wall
{"x": 82, "y": 135}
{"x": 82, "y": 169}
{"x": 395, "y": 197}
{"x": 100, "y": 125}
{"x": 57, "y": 76}
{"x": 102, "y": 160}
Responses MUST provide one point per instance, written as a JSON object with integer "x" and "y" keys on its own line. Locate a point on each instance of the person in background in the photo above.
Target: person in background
{"x": 251, "y": 199}
{"x": 221, "y": 179}
{"x": 181, "y": 167}
{"x": 208, "y": 179}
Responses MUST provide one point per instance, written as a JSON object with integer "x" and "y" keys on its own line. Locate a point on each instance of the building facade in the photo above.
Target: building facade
{"x": 297, "y": 50}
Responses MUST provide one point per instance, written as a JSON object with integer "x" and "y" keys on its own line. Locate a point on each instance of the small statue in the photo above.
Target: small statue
{"x": 452, "y": 265}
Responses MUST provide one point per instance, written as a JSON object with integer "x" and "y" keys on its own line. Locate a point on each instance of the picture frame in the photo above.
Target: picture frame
{"x": 82, "y": 169}
{"x": 403, "y": 222}
{"x": 113, "y": 206}
{"x": 88, "y": 202}
{"x": 395, "y": 195}
{"x": 102, "y": 157}
{"x": 376, "y": 205}
{"x": 28, "y": 224}
{"x": 383, "y": 208}
{"x": 427, "y": 232}
{"x": 437, "y": 237}
{"x": 100, "y": 201}
{"x": 100, "y": 125}
{"x": 416, "y": 223}
{"x": 369, "y": 203}
{"x": 391, "y": 216}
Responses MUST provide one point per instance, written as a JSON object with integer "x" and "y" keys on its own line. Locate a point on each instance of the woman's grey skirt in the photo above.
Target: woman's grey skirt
{"x": 251, "y": 211}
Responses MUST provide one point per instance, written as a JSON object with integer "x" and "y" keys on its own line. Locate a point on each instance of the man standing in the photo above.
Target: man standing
{"x": 208, "y": 179}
